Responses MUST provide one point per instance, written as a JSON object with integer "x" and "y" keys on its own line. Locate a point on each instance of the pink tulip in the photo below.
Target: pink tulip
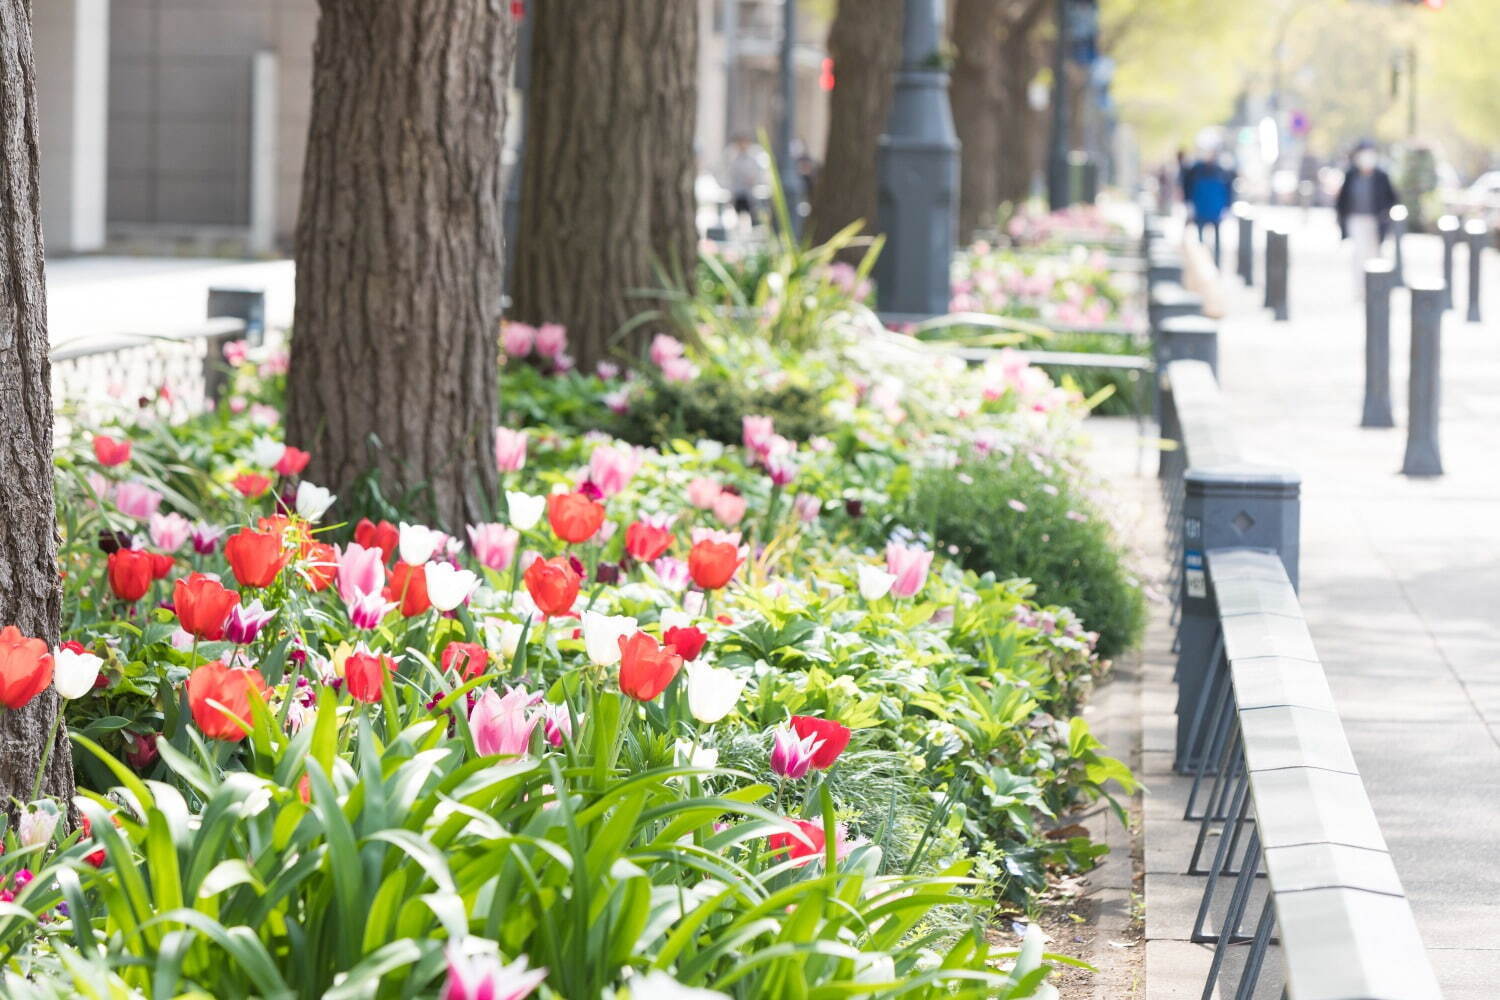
{"x": 557, "y": 724}
{"x": 729, "y": 508}
{"x": 791, "y": 755}
{"x": 673, "y": 573}
{"x": 360, "y": 571}
{"x": 679, "y": 370}
{"x": 611, "y": 468}
{"x": 494, "y": 545}
{"x": 367, "y": 611}
{"x": 510, "y": 449}
{"x": 702, "y": 492}
{"x": 137, "y": 500}
{"x": 169, "y": 531}
{"x": 503, "y": 725}
{"x": 551, "y": 340}
{"x": 910, "y": 564}
{"x": 206, "y": 538}
{"x": 781, "y": 469}
{"x": 808, "y": 507}
{"x": 756, "y": 432}
{"x": 482, "y": 977}
{"x": 665, "y": 348}
{"x": 517, "y": 339}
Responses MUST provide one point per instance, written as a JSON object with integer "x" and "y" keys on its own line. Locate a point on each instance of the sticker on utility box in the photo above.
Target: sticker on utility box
{"x": 1193, "y": 574}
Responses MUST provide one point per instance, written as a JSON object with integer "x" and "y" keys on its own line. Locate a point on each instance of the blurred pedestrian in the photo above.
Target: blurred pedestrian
{"x": 1364, "y": 209}
{"x": 747, "y": 175}
{"x": 1208, "y": 186}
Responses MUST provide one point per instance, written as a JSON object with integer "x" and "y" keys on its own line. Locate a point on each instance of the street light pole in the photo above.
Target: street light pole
{"x": 1057, "y": 154}
{"x": 786, "y": 166}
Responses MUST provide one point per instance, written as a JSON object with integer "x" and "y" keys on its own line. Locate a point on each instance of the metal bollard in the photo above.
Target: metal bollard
{"x": 1244, "y": 506}
{"x": 1379, "y": 280}
{"x": 1189, "y": 338}
{"x": 248, "y": 304}
{"x": 1398, "y": 231}
{"x": 1245, "y": 227}
{"x": 1276, "y": 274}
{"x": 1163, "y": 264}
{"x": 1449, "y": 229}
{"x": 1423, "y": 455}
{"x": 1478, "y": 233}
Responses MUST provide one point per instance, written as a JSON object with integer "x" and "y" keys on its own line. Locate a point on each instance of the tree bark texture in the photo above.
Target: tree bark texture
{"x": 399, "y": 254}
{"x": 864, "y": 43}
{"x": 607, "y": 202}
{"x": 30, "y": 594}
{"x": 1021, "y": 55}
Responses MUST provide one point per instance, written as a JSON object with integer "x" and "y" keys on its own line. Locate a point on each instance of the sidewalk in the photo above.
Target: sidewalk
{"x": 1400, "y": 585}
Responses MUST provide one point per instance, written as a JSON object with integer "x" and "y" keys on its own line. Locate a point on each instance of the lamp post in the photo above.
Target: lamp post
{"x": 917, "y": 175}
{"x": 1057, "y": 151}
{"x": 786, "y": 165}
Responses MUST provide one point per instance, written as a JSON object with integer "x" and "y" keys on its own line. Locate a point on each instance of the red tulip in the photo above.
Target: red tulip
{"x": 408, "y": 587}
{"x": 553, "y": 585}
{"x": 647, "y": 542}
{"x": 25, "y": 667}
{"x": 130, "y": 574}
{"x": 161, "y": 565}
{"x": 365, "y": 673}
{"x": 292, "y": 461}
{"x": 110, "y": 452}
{"x": 203, "y": 605}
{"x": 140, "y": 749}
{"x": 251, "y": 484}
{"x": 468, "y": 658}
{"x": 384, "y": 536}
{"x": 218, "y": 695}
{"x": 646, "y": 667}
{"x": 687, "y": 640}
{"x": 322, "y": 565}
{"x": 255, "y": 557}
{"x": 712, "y": 564}
{"x": 573, "y": 516}
{"x": 835, "y": 737}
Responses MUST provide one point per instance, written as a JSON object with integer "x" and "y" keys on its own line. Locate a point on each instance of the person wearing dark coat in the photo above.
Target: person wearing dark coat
{"x": 1364, "y": 209}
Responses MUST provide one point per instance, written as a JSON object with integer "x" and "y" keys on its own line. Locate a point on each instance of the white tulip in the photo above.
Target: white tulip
{"x": 418, "y": 542}
{"x": 712, "y": 691}
{"x": 265, "y": 453}
{"x": 672, "y": 618}
{"x": 313, "y": 501}
{"x": 525, "y": 509}
{"x": 36, "y": 826}
{"x": 657, "y": 985}
{"x": 506, "y": 635}
{"x": 73, "y": 674}
{"x": 602, "y": 635}
{"x": 693, "y": 755}
{"x": 874, "y": 582}
{"x": 448, "y": 586}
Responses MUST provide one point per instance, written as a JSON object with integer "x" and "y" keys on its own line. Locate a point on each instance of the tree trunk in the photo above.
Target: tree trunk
{"x": 607, "y": 182}
{"x": 1019, "y": 123}
{"x": 864, "y": 42}
{"x": 399, "y": 255}
{"x": 975, "y": 91}
{"x": 30, "y": 595}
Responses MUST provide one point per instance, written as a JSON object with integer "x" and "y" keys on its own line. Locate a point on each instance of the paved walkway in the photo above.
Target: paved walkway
{"x": 1400, "y": 585}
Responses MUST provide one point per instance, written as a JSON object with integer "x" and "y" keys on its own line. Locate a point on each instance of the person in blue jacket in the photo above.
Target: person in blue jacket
{"x": 1208, "y": 187}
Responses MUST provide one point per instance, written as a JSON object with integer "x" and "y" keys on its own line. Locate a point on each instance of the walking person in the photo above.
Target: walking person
{"x": 746, "y": 172}
{"x": 1209, "y": 188}
{"x": 1364, "y": 209}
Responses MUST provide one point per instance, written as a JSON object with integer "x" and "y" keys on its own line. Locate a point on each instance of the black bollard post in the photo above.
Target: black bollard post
{"x": 1189, "y": 337}
{"x": 1423, "y": 456}
{"x": 1478, "y": 234}
{"x": 1245, "y": 226}
{"x": 1276, "y": 274}
{"x": 1379, "y": 279}
{"x": 1398, "y": 230}
{"x": 1448, "y": 229}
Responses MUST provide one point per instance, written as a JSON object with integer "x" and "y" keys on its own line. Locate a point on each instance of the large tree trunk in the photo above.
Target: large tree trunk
{"x": 975, "y": 91}
{"x": 864, "y": 42}
{"x": 30, "y": 595}
{"x": 607, "y": 182}
{"x": 1019, "y": 122}
{"x": 399, "y": 254}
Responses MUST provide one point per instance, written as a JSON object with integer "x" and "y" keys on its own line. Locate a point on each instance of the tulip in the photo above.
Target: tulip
{"x": 729, "y": 508}
{"x": 551, "y": 340}
{"x": 502, "y": 725}
{"x": 367, "y": 611}
{"x": 206, "y": 538}
{"x": 140, "y": 749}
{"x": 910, "y": 564}
{"x": 494, "y": 545}
{"x": 611, "y": 468}
{"x": 448, "y": 586}
{"x": 111, "y": 452}
{"x": 510, "y": 449}
{"x": 506, "y": 635}
{"x": 712, "y": 564}
{"x": 245, "y": 622}
{"x": 810, "y": 842}
{"x": 255, "y": 557}
{"x": 291, "y": 463}
{"x": 383, "y": 536}
{"x": 360, "y": 571}
{"x": 251, "y": 484}
{"x": 553, "y": 585}
{"x": 557, "y": 723}
{"x": 418, "y": 543}
{"x": 647, "y": 541}
{"x": 664, "y": 348}
{"x": 712, "y": 691}
{"x": 874, "y": 582}
{"x": 469, "y": 659}
{"x": 602, "y": 635}
{"x": 781, "y": 469}
{"x": 646, "y": 668}
{"x": 808, "y": 507}
{"x": 219, "y": 698}
{"x": 36, "y": 825}
{"x": 517, "y": 339}
{"x": 169, "y": 531}
{"x": 313, "y": 501}
{"x": 408, "y": 587}
{"x": 25, "y": 667}
{"x": 832, "y": 738}
{"x": 266, "y": 452}
{"x": 792, "y": 755}
{"x": 365, "y": 674}
{"x": 161, "y": 565}
{"x": 525, "y": 509}
{"x": 702, "y": 492}
{"x": 484, "y": 978}
{"x": 756, "y": 432}
{"x": 203, "y": 605}
{"x": 130, "y": 574}
{"x": 685, "y": 639}
{"x": 75, "y": 671}
{"x": 321, "y": 565}
{"x": 136, "y": 500}
{"x": 573, "y": 516}
{"x": 673, "y": 573}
